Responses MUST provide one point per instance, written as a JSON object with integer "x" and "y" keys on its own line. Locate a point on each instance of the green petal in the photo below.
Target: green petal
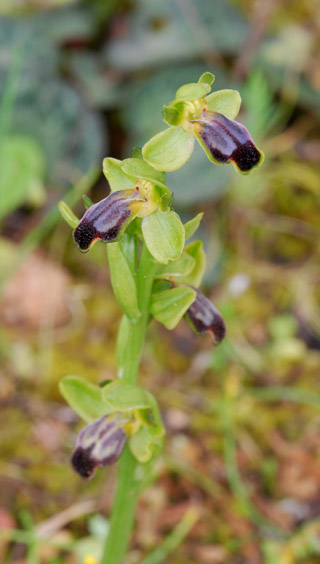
{"x": 117, "y": 179}
{"x": 169, "y": 150}
{"x": 164, "y": 236}
{"x": 192, "y": 91}
{"x": 169, "y": 307}
{"x": 85, "y": 398}
{"x": 226, "y": 102}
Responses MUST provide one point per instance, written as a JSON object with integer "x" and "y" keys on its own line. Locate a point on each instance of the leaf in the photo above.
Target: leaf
{"x": 191, "y": 226}
{"x": 68, "y": 215}
{"x": 192, "y": 91}
{"x": 117, "y": 179}
{"x": 84, "y": 397}
{"x": 195, "y": 250}
{"x": 164, "y": 236}
{"x": 21, "y": 173}
{"x": 138, "y": 168}
{"x": 169, "y": 150}
{"x": 169, "y": 307}
{"x": 123, "y": 282}
{"x": 226, "y": 102}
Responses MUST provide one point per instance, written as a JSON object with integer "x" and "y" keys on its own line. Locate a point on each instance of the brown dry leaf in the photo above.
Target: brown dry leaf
{"x": 210, "y": 554}
{"x": 36, "y": 294}
{"x": 299, "y": 471}
{"x": 6, "y": 522}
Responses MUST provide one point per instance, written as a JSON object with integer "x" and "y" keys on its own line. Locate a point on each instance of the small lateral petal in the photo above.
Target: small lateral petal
{"x": 227, "y": 141}
{"x": 106, "y": 220}
{"x": 204, "y": 317}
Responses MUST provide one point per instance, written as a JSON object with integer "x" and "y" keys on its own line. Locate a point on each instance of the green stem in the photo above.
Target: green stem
{"x": 132, "y": 335}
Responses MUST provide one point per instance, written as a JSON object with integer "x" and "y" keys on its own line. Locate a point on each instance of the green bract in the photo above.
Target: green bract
{"x": 164, "y": 235}
{"x": 123, "y": 281}
{"x": 191, "y": 226}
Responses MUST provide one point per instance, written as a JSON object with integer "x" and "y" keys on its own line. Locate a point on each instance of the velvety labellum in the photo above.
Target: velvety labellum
{"x": 107, "y": 219}
{"x": 100, "y": 443}
{"x": 227, "y": 140}
{"x": 204, "y": 317}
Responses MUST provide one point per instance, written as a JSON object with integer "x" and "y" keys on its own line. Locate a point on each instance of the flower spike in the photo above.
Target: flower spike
{"x": 227, "y": 141}
{"x": 99, "y": 444}
{"x": 204, "y": 317}
{"x": 107, "y": 220}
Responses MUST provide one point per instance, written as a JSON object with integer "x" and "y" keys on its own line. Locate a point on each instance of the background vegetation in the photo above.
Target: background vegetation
{"x": 241, "y": 468}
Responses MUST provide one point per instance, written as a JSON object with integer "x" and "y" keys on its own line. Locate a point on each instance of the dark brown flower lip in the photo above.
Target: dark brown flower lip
{"x": 99, "y": 444}
{"x": 228, "y": 141}
{"x": 204, "y": 317}
{"x": 107, "y": 219}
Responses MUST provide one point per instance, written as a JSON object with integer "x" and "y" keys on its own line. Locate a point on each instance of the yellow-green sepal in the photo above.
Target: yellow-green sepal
{"x": 118, "y": 180}
{"x": 226, "y": 102}
{"x": 192, "y": 91}
{"x": 169, "y": 306}
{"x": 169, "y": 150}
{"x": 85, "y": 398}
{"x": 196, "y": 252}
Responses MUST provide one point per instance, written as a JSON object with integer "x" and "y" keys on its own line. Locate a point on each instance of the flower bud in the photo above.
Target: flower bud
{"x": 228, "y": 141}
{"x": 108, "y": 219}
{"x": 203, "y": 316}
{"x": 98, "y": 444}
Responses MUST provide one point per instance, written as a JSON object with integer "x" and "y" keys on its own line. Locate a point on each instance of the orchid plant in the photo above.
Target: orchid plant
{"x": 155, "y": 274}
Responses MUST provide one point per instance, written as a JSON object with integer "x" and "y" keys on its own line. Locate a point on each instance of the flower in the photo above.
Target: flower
{"x": 195, "y": 113}
{"x": 204, "y": 317}
{"x": 227, "y": 140}
{"x": 99, "y": 443}
{"x": 107, "y": 220}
